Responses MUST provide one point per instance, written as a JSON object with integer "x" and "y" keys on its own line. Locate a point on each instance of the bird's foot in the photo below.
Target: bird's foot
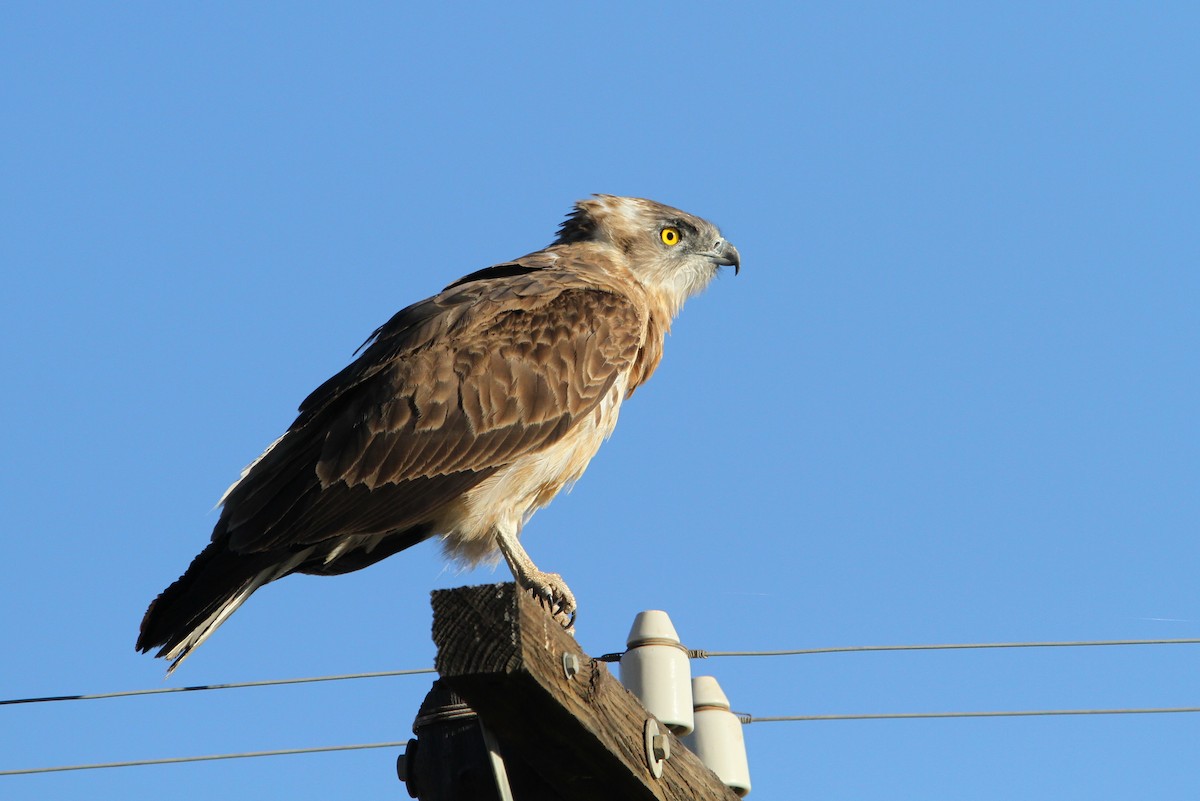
{"x": 553, "y": 594}
{"x": 549, "y": 588}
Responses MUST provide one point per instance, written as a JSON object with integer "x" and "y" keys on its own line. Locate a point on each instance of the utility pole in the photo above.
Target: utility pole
{"x": 554, "y": 713}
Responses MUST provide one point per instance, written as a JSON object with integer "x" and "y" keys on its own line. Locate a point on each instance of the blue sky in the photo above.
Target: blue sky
{"x": 952, "y": 397}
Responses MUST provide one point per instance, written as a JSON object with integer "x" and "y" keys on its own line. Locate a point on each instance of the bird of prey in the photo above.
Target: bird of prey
{"x": 462, "y": 415}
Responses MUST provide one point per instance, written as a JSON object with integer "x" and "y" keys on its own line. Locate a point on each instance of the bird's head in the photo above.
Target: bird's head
{"x": 670, "y": 251}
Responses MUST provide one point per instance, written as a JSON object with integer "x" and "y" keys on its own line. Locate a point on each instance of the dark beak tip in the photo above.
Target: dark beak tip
{"x": 726, "y": 255}
{"x": 734, "y": 258}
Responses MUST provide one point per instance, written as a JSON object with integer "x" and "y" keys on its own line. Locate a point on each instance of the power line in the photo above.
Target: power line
{"x": 613, "y": 657}
{"x": 206, "y": 758}
{"x": 1002, "y": 714}
{"x": 695, "y": 653}
{"x": 745, "y": 718}
{"x": 231, "y": 686}
{"x": 702, "y": 654}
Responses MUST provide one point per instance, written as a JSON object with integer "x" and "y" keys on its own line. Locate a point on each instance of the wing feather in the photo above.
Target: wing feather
{"x": 446, "y": 393}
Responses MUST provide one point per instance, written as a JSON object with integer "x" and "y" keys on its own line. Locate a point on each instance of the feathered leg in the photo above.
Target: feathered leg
{"x": 549, "y": 588}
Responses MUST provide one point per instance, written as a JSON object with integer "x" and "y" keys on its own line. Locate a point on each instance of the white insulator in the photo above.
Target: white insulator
{"x": 655, "y": 668}
{"x": 717, "y": 738}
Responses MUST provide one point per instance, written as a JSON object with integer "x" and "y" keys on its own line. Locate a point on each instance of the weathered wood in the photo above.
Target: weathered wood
{"x": 502, "y": 652}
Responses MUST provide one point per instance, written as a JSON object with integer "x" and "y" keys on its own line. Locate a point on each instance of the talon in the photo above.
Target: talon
{"x": 554, "y": 596}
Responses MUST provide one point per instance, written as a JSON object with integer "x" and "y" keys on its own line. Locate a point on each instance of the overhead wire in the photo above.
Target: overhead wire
{"x": 743, "y": 717}
{"x": 694, "y": 653}
{"x": 205, "y": 758}
{"x": 228, "y": 686}
{"x": 746, "y": 718}
{"x": 700, "y": 653}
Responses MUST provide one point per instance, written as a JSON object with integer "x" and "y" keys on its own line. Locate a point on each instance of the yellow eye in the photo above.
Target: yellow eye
{"x": 670, "y": 236}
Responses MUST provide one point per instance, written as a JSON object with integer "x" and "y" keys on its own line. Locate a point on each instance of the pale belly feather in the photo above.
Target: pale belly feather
{"x": 513, "y": 494}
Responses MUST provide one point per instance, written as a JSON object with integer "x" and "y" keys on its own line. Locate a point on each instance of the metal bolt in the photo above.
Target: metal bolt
{"x": 658, "y": 747}
{"x": 570, "y": 663}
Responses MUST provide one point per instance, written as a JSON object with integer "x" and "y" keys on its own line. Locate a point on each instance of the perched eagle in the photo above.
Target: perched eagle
{"x": 463, "y": 415}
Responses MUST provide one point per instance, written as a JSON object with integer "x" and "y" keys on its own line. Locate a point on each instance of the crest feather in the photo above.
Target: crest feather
{"x": 580, "y": 225}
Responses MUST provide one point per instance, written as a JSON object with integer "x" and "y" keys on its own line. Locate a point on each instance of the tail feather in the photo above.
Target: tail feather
{"x": 219, "y": 580}
{"x": 210, "y": 590}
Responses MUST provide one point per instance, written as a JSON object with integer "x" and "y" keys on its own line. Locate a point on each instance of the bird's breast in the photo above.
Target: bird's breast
{"x": 529, "y": 482}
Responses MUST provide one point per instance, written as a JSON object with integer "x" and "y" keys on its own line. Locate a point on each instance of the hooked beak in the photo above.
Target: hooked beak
{"x": 726, "y": 255}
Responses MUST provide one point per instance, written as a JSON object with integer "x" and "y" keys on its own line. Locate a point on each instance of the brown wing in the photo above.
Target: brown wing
{"x": 449, "y": 391}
